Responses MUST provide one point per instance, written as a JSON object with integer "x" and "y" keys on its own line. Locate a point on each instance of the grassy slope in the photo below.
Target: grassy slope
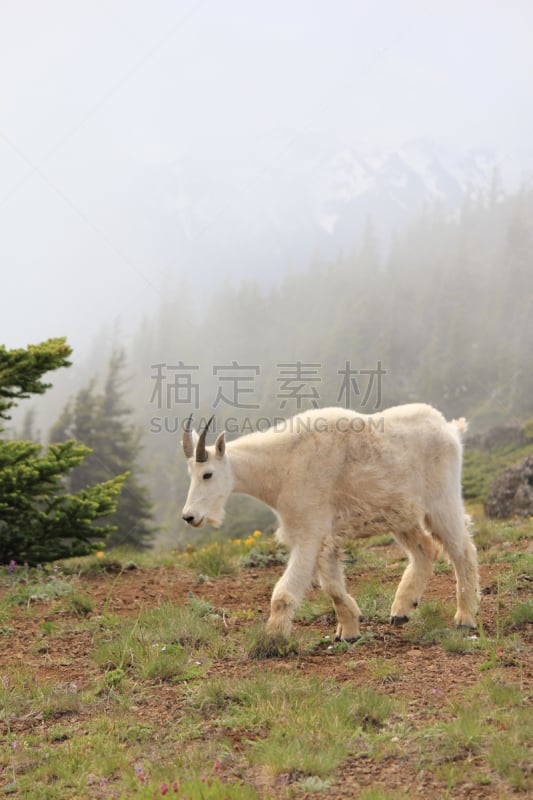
{"x": 117, "y": 686}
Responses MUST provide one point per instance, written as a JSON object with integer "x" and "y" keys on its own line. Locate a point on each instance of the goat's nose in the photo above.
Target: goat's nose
{"x": 188, "y": 518}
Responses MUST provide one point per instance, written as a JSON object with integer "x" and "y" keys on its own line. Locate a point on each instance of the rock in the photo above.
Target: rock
{"x": 511, "y": 492}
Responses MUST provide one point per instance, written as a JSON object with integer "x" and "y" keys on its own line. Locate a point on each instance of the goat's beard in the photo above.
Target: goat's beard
{"x": 216, "y": 522}
{"x": 216, "y": 518}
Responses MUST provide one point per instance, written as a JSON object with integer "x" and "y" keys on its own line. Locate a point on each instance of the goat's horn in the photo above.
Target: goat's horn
{"x": 188, "y": 446}
{"x": 201, "y": 455}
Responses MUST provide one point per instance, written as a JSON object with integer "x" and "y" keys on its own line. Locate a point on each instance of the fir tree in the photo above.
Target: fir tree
{"x": 101, "y": 422}
{"x": 39, "y": 520}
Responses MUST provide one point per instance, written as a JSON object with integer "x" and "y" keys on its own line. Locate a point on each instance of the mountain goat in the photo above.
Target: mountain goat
{"x": 333, "y": 473}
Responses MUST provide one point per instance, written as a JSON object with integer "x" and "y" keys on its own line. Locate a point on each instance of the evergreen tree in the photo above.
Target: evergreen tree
{"x": 21, "y": 370}
{"x": 39, "y": 520}
{"x": 100, "y": 421}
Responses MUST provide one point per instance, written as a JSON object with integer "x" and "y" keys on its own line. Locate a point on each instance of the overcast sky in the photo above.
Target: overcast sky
{"x": 97, "y": 98}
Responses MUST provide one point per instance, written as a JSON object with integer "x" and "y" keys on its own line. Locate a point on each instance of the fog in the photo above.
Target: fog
{"x": 199, "y": 139}
{"x": 255, "y": 186}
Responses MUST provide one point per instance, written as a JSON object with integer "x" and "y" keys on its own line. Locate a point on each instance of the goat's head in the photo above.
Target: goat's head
{"x": 211, "y": 478}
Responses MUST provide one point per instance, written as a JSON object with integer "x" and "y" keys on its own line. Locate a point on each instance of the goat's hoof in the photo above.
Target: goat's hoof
{"x": 347, "y": 639}
{"x": 399, "y": 620}
{"x": 463, "y": 626}
{"x": 465, "y": 622}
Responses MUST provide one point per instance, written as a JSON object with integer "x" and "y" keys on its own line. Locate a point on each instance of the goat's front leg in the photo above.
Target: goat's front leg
{"x": 291, "y": 587}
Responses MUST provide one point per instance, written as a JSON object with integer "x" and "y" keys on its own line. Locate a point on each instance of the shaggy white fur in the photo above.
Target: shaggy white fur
{"x": 332, "y": 473}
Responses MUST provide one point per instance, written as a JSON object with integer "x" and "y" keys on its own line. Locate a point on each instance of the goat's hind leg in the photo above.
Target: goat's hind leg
{"x": 423, "y": 551}
{"x": 452, "y": 528}
{"x": 331, "y": 574}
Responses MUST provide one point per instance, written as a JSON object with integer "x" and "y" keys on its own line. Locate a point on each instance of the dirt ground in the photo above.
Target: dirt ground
{"x": 428, "y": 677}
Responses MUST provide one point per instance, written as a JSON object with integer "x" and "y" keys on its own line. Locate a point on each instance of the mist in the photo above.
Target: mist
{"x": 260, "y": 198}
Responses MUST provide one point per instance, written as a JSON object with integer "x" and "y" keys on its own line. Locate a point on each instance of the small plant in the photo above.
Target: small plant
{"x": 371, "y": 708}
{"x": 374, "y": 600}
{"x": 377, "y": 793}
{"x": 267, "y": 645}
{"x": 460, "y": 642}
{"x": 114, "y": 677}
{"x": 313, "y": 784}
{"x": 431, "y": 624}
{"x": 310, "y": 611}
{"x": 43, "y": 592}
{"x": 79, "y": 604}
{"x": 520, "y": 615}
{"x": 384, "y": 670}
{"x": 212, "y": 560}
{"x": 258, "y": 551}
{"x": 158, "y": 643}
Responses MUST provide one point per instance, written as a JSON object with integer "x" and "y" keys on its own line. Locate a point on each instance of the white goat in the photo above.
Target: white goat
{"x": 332, "y": 473}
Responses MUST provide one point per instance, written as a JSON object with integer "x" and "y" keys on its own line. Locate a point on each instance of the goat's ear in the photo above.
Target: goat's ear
{"x": 220, "y": 444}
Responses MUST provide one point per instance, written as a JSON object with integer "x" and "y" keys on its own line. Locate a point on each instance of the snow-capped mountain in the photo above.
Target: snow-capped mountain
{"x": 392, "y": 188}
{"x": 255, "y": 214}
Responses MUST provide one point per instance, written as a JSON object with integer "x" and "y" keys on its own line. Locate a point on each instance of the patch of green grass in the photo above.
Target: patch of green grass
{"x": 79, "y": 604}
{"x": 383, "y": 669}
{"x": 261, "y": 644}
{"x": 311, "y": 610}
{"x": 48, "y": 628}
{"x": 160, "y": 642}
{"x": 359, "y": 557}
{"x": 25, "y": 594}
{"x": 374, "y": 599}
{"x": 105, "y": 564}
{"x": 511, "y": 760}
{"x": 117, "y": 560}
{"x": 460, "y": 642}
{"x": 520, "y": 614}
{"x": 371, "y": 709}
{"x": 377, "y": 793}
{"x": 442, "y": 567}
{"x": 21, "y": 694}
{"x": 383, "y": 540}
{"x": 333, "y": 717}
{"x": 199, "y": 789}
{"x": 492, "y": 724}
{"x": 264, "y": 552}
{"x": 313, "y": 784}
{"x": 213, "y": 560}
{"x": 275, "y": 706}
{"x": 431, "y": 623}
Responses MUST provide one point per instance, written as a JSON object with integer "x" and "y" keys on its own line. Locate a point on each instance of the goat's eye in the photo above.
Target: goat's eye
{"x": 207, "y": 475}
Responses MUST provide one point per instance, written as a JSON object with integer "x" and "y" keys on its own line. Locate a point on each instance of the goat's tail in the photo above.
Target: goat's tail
{"x": 461, "y": 425}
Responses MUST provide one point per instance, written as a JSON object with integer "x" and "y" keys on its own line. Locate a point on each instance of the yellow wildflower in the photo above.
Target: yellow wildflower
{"x": 257, "y": 534}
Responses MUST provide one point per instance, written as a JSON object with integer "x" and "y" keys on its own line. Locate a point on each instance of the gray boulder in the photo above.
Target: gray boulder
{"x": 511, "y": 493}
